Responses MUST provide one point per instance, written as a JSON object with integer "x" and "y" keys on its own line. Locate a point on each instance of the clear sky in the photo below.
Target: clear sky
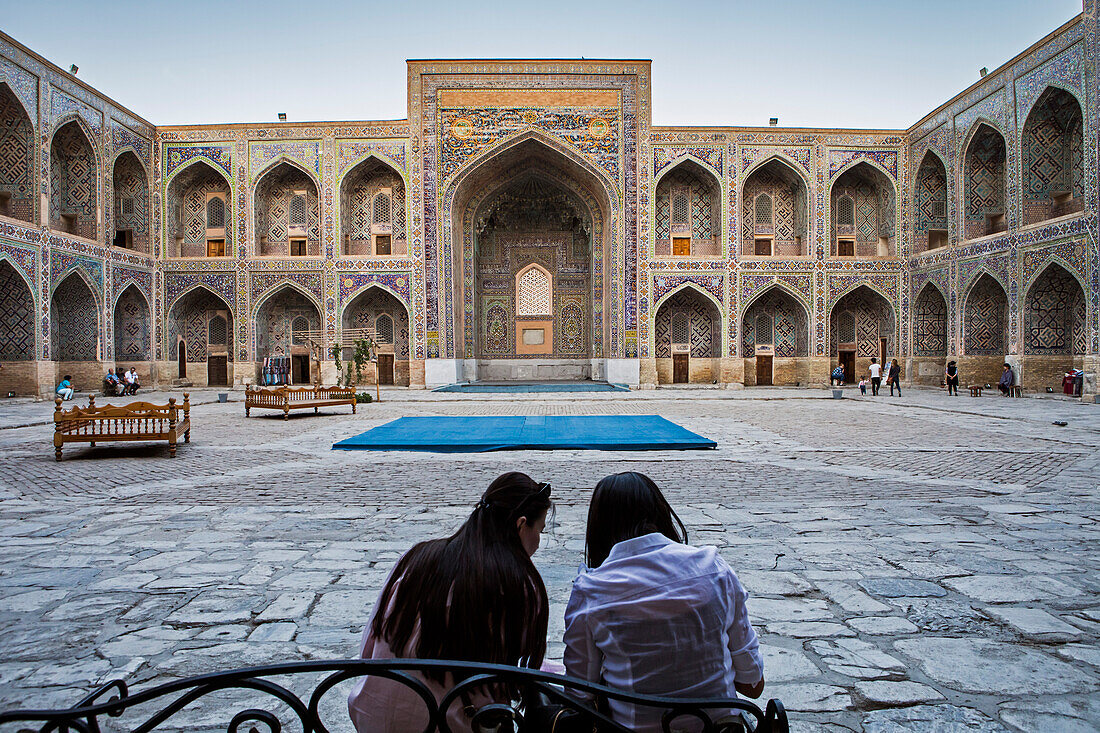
{"x": 826, "y": 63}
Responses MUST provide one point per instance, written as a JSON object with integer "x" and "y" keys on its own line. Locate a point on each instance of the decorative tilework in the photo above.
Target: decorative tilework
{"x": 262, "y": 283}
{"x": 74, "y": 321}
{"x": 62, "y": 105}
{"x": 1067, "y": 70}
{"x": 177, "y": 155}
{"x": 177, "y": 283}
{"x": 751, "y": 155}
{"x": 930, "y": 322}
{"x": 123, "y": 137}
{"x": 664, "y": 156}
{"x": 985, "y": 318}
{"x": 133, "y": 330}
{"x": 350, "y": 283}
{"x": 306, "y": 153}
{"x": 25, "y": 259}
{"x": 24, "y": 84}
{"x": 350, "y": 153}
{"x": 712, "y": 284}
{"x": 688, "y": 317}
{"x": 62, "y": 263}
{"x": 16, "y": 316}
{"x": 840, "y": 159}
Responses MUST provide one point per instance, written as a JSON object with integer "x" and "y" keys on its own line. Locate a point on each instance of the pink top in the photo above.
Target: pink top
{"x": 379, "y": 705}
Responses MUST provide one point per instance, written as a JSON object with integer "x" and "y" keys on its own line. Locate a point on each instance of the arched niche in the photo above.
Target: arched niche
{"x": 864, "y": 213}
{"x": 17, "y": 177}
{"x": 777, "y": 321}
{"x": 687, "y": 207}
{"x": 200, "y": 326}
{"x": 282, "y": 319}
{"x": 1052, "y": 158}
{"x": 379, "y": 311}
{"x": 1054, "y": 314}
{"x": 687, "y": 335}
{"x": 985, "y": 318}
{"x": 984, "y": 203}
{"x": 197, "y": 213}
{"x": 930, "y": 228}
{"x": 372, "y": 211}
{"x": 133, "y": 332}
{"x": 862, "y": 323}
{"x": 287, "y": 213}
{"x": 74, "y": 195}
{"x": 774, "y": 212}
{"x": 930, "y": 323}
{"x": 17, "y": 342}
{"x": 74, "y": 321}
{"x": 131, "y": 205}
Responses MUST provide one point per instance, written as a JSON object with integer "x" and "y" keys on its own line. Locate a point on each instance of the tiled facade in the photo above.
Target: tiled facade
{"x": 971, "y": 235}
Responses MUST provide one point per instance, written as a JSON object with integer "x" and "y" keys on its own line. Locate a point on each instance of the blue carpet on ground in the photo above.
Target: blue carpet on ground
{"x": 554, "y": 432}
{"x": 520, "y": 387}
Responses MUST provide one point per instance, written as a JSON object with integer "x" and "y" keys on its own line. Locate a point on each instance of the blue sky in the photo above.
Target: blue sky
{"x": 810, "y": 62}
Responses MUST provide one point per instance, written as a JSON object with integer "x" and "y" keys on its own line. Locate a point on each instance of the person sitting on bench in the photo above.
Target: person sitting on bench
{"x": 65, "y": 388}
{"x": 111, "y": 385}
{"x": 1007, "y": 380}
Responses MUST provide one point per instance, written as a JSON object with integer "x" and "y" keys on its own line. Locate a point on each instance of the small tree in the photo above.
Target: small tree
{"x": 363, "y": 352}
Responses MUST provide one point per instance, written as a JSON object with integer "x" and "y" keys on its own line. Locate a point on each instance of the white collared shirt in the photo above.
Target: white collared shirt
{"x": 660, "y": 618}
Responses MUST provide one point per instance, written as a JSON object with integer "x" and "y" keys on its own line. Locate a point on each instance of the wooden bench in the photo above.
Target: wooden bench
{"x": 1016, "y": 391}
{"x": 975, "y": 390}
{"x": 114, "y": 423}
{"x": 296, "y": 398}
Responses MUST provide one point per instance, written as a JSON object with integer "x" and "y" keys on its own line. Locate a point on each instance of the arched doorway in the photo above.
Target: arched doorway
{"x": 774, "y": 211}
{"x": 17, "y": 181}
{"x": 864, "y": 210}
{"x": 984, "y": 332}
{"x": 376, "y": 309}
{"x": 1055, "y": 332}
{"x": 74, "y": 196}
{"x": 200, "y": 328}
{"x": 929, "y": 336}
{"x": 74, "y": 321}
{"x": 1052, "y": 158}
{"x": 775, "y": 339}
{"x": 531, "y": 204}
{"x": 984, "y": 184}
{"x": 131, "y": 209}
{"x": 687, "y": 332}
{"x": 132, "y": 328}
{"x": 283, "y": 352}
{"x": 687, "y": 210}
{"x": 288, "y": 213}
{"x": 861, "y": 327}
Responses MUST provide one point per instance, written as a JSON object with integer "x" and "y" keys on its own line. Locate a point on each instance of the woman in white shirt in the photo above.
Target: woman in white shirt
{"x": 652, "y": 614}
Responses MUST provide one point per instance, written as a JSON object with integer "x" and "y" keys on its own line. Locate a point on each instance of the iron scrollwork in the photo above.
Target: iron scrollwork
{"x": 115, "y": 699}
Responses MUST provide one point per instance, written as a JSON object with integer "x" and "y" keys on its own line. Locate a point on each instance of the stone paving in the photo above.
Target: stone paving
{"x": 918, "y": 563}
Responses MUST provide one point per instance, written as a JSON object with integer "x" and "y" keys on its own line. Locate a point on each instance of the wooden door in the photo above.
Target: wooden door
{"x": 882, "y": 357}
{"x": 763, "y": 370}
{"x": 217, "y": 371}
{"x": 385, "y": 368}
{"x": 679, "y": 368}
{"x": 848, "y": 361}
{"x": 182, "y": 359}
{"x": 681, "y": 246}
{"x": 299, "y": 369}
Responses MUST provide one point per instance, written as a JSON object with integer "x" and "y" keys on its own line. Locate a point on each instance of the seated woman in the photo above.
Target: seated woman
{"x": 65, "y": 388}
{"x": 474, "y": 596}
{"x": 654, "y": 615}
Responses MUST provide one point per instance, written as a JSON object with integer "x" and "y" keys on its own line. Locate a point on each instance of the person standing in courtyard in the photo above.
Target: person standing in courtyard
{"x": 65, "y": 388}
{"x": 875, "y": 372}
{"x": 951, "y": 378}
{"x": 474, "y": 596}
{"x": 652, "y": 614}
{"x": 894, "y": 377}
{"x": 1008, "y": 378}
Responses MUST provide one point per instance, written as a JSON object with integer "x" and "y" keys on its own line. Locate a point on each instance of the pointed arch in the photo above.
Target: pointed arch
{"x": 930, "y": 216}
{"x": 930, "y": 315}
{"x": 780, "y": 158}
{"x": 74, "y": 179}
{"x": 689, "y": 157}
{"x": 1052, "y": 181}
{"x": 787, "y": 318}
{"x": 198, "y": 286}
{"x": 286, "y": 207}
{"x": 1055, "y": 313}
{"x": 132, "y": 324}
{"x": 186, "y": 225}
{"x": 274, "y": 315}
{"x": 687, "y": 286}
{"x": 365, "y": 308}
{"x": 203, "y": 160}
{"x": 984, "y": 162}
{"x": 17, "y": 313}
{"x": 985, "y": 317}
{"x": 283, "y": 159}
{"x": 130, "y": 202}
{"x": 18, "y": 196}
{"x": 75, "y": 323}
{"x": 380, "y": 286}
{"x": 874, "y": 318}
{"x": 188, "y": 320}
{"x": 705, "y": 328}
{"x": 84, "y": 275}
{"x": 873, "y": 192}
{"x": 687, "y": 210}
{"x": 276, "y": 288}
{"x": 32, "y": 117}
{"x": 360, "y": 233}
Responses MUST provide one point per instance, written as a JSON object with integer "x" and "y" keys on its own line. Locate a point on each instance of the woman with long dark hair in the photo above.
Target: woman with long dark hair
{"x": 474, "y": 596}
{"x": 652, "y": 614}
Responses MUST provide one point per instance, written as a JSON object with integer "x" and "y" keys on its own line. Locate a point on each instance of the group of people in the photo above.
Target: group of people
{"x": 126, "y": 383}
{"x": 873, "y": 378}
{"x": 648, "y": 612}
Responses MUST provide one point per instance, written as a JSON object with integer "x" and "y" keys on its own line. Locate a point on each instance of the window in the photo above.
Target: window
{"x": 383, "y": 244}
{"x": 215, "y": 213}
{"x": 126, "y": 206}
{"x": 215, "y": 248}
{"x": 764, "y": 211}
{"x": 846, "y": 328}
{"x": 763, "y": 247}
{"x": 383, "y": 327}
{"x": 939, "y": 209}
{"x": 381, "y": 209}
{"x": 680, "y": 208}
{"x": 937, "y": 238}
{"x": 846, "y": 248}
{"x": 5, "y": 203}
{"x": 681, "y": 246}
{"x": 124, "y": 238}
{"x": 298, "y": 209}
{"x": 68, "y": 223}
{"x": 298, "y": 329}
{"x": 298, "y": 248}
{"x": 764, "y": 330}
{"x": 680, "y": 328}
{"x": 845, "y": 212}
{"x": 218, "y": 331}
{"x": 533, "y": 293}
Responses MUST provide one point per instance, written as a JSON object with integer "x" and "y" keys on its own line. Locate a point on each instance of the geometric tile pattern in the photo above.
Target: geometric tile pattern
{"x": 1051, "y": 154}
{"x": 16, "y": 316}
{"x": 867, "y": 318}
{"x": 984, "y": 179}
{"x": 131, "y": 203}
{"x": 696, "y": 320}
{"x": 930, "y": 323}
{"x": 73, "y": 179}
{"x": 276, "y": 210}
{"x": 132, "y": 326}
{"x": 1054, "y": 314}
{"x": 788, "y": 195}
{"x": 74, "y": 321}
{"x": 985, "y": 318}
{"x": 366, "y": 308}
{"x": 200, "y": 319}
{"x": 16, "y": 156}
{"x": 188, "y": 211}
{"x": 275, "y": 322}
{"x": 930, "y": 200}
{"x": 786, "y": 319}
{"x": 358, "y": 193}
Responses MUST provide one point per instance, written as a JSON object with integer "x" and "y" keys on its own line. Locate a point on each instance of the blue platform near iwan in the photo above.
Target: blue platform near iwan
{"x": 555, "y": 432}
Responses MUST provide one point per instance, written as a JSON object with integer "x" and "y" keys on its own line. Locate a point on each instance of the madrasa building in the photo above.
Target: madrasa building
{"x": 527, "y": 221}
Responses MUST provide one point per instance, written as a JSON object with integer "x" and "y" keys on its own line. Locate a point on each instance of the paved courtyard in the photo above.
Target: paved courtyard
{"x": 913, "y": 562}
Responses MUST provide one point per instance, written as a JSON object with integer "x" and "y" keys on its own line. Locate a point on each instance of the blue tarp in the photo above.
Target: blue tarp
{"x": 480, "y": 434}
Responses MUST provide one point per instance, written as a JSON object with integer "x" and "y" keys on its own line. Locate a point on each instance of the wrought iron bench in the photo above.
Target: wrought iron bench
{"x": 152, "y": 707}
{"x": 296, "y": 398}
{"x": 114, "y": 423}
